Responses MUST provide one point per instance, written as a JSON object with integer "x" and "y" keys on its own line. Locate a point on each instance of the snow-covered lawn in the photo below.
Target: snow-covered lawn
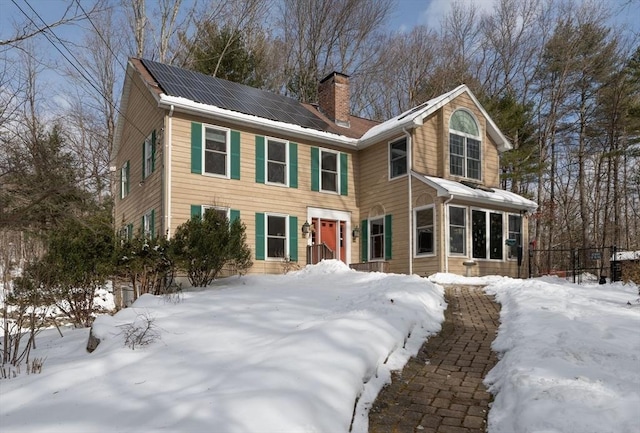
{"x": 253, "y": 354}
{"x": 571, "y": 358}
{"x": 294, "y": 353}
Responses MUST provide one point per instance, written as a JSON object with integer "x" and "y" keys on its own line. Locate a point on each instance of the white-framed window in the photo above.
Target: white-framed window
{"x": 465, "y": 154}
{"x": 216, "y": 151}
{"x": 457, "y": 230}
{"x": 487, "y": 234}
{"x": 124, "y": 180}
{"x": 149, "y": 154}
{"x": 222, "y": 211}
{"x": 376, "y": 238}
{"x": 515, "y": 234}
{"x": 398, "y": 158}
{"x": 148, "y": 224}
{"x": 277, "y": 163}
{"x": 126, "y": 233}
{"x": 277, "y": 236}
{"x": 424, "y": 218}
{"x": 329, "y": 171}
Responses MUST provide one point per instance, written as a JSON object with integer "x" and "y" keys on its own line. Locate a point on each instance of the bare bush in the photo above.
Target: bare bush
{"x": 142, "y": 332}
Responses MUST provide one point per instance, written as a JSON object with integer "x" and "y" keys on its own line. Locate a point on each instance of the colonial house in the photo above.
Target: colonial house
{"x": 417, "y": 193}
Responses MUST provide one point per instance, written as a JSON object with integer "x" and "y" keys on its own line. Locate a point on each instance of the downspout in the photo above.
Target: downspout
{"x": 445, "y": 225}
{"x": 410, "y": 204}
{"x": 167, "y": 191}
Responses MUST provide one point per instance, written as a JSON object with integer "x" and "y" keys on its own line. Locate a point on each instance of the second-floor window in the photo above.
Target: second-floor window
{"x": 124, "y": 180}
{"x": 148, "y": 157}
{"x": 465, "y": 154}
{"x": 276, "y": 162}
{"x": 398, "y": 158}
{"x": 215, "y": 151}
{"x": 328, "y": 171}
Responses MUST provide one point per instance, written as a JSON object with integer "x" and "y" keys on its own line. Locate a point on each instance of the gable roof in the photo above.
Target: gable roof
{"x": 415, "y": 116}
{"x": 481, "y": 195}
{"x": 187, "y": 91}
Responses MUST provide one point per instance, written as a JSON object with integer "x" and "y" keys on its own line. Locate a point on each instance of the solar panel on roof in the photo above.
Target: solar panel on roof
{"x": 232, "y": 96}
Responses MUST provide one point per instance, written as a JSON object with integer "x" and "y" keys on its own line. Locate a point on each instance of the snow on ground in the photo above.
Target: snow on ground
{"x": 294, "y": 353}
{"x": 569, "y": 358}
{"x": 253, "y": 354}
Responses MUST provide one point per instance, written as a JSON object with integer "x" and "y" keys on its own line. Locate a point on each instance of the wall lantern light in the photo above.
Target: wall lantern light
{"x": 305, "y": 229}
{"x": 355, "y": 233}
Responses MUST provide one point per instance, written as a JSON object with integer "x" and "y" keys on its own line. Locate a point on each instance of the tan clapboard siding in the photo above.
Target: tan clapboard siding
{"x": 427, "y": 146}
{"x": 250, "y": 197}
{"x": 381, "y": 195}
{"x": 142, "y": 112}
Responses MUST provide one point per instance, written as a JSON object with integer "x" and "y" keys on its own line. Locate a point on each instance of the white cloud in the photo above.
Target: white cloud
{"x": 437, "y": 9}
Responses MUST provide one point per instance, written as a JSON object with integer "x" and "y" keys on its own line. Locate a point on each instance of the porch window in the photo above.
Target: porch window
{"x": 464, "y": 146}
{"x": 487, "y": 234}
{"x": 398, "y": 158}
{"x": 515, "y": 232}
{"x": 424, "y": 218}
{"x": 457, "y": 230}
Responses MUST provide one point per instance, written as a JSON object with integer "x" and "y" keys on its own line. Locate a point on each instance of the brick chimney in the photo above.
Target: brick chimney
{"x": 333, "y": 98}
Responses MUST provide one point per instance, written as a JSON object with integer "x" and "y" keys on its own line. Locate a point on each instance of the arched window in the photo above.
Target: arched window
{"x": 464, "y": 146}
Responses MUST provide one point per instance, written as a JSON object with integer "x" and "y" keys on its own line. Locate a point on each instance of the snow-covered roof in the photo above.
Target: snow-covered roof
{"x": 451, "y": 188}
{"x": 415, "y": 117}
{"x": 626, "y": 255}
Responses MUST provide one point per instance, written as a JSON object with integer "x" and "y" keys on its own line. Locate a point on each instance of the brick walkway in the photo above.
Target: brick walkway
{"x": 441, "y": 390}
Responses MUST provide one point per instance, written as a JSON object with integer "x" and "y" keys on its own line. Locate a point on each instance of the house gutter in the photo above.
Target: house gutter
{"x": 410, "y": 204}
{"x": 446, "y": 242}
{"x": 188, "y": 106}
{"x": 167, "y": 167}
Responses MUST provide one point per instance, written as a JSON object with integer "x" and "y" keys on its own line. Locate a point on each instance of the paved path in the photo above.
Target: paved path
{"x": 441, "y": 390}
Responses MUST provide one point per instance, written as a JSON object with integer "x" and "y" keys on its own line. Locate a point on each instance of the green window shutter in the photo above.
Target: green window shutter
{"x": 235, "y": 155}
{"x": 152, "y": 224}
{"x": 259, "y": 159}
{"x": 196, "y": 147}
{"x": 293, "y": 165}
{"x": 259, "y": 236}
{"x": 388, "y": 236}
{"x": 234, "y": 214}
{"x": 344, "y": 179}
{"x": 153, "y": 151}
{"x": 128, "y": 177}
{"x": 364, "y": 240}
{"x": 143, "y": 158}
{"x": 315, "y": 169}
{"x": 142, "y": 226}
{"x": 129, "y": 231}
{"x": 293, "y": 238}
{"x": 196, "y": 210}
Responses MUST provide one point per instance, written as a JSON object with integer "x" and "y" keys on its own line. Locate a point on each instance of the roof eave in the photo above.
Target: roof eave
{"x": 240, "y": 119}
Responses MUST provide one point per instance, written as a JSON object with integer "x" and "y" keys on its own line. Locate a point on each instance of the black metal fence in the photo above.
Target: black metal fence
{"x": 576, "y": 264}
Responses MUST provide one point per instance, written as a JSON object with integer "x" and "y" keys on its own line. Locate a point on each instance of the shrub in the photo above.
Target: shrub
{"x": 203, "y": 246}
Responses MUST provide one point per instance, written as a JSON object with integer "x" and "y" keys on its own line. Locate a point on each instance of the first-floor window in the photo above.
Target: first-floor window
{"x": 276, "y": 236}
{"x": 148, "y": 224}
{"x": 376, "y": 241}
{"x": 424, "y": 230}
{"x": 126, "y": 233}
{"x": 223, "y": 212}
{"x": 515, "y": 233}
{"x": 487, "y": 233}
{"x": 457, "y": 230}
